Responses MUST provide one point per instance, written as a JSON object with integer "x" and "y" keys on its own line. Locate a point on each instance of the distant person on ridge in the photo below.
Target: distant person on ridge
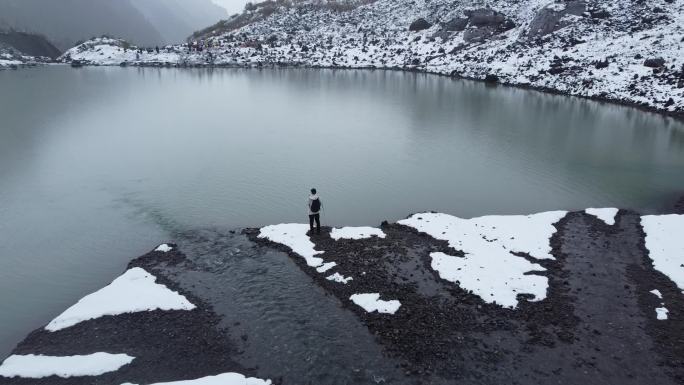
{"x": 314, "y": 212}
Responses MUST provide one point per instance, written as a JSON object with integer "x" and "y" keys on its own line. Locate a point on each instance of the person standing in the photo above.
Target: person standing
{"x": 314, "y": 211}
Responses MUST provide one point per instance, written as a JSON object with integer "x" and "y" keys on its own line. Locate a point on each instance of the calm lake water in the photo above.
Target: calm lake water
{"x": 99, "y": 165}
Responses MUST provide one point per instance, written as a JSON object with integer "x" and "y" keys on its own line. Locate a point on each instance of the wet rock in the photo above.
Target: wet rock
{"x": 419, "y": 25}
{"x": 491, "y": 79}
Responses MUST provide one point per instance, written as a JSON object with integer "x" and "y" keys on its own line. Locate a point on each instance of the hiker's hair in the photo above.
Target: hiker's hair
{"x": 313, "y": 191}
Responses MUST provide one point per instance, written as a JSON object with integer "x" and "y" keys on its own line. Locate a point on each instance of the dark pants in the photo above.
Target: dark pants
{"x": 317, "y": 218}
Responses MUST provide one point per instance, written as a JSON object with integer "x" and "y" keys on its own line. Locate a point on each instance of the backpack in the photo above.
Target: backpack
{"x": 315, "y": 205}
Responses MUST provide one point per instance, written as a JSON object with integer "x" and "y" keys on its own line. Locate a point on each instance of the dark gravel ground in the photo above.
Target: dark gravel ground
{"x": 597, "y": 325}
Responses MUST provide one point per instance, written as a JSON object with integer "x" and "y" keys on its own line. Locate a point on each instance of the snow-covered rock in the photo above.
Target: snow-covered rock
{"x": 221, "y": 379}
{"x": 164, "y": 248}
{"x": 665, "y": 245}
{"x": 337, "y": 277}
{"x": 588, "y": 48}
{"x": 371, "y": 302}
{"x": 38, "y": 366}
{"x": 134, "y": 291}
{"x": 492, "y": 267}
{"x": 356, "y": 233}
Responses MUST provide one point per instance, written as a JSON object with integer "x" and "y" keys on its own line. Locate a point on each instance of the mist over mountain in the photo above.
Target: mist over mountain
{"x": 175, "y": 20}
{"x": 143, "y": 22}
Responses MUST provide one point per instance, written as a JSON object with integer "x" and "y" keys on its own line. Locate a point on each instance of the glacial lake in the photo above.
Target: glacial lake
{"x": 100, "y": 165}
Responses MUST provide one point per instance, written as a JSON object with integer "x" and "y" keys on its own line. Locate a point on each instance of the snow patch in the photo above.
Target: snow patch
{"x": 134, "y": 291}
{"x": 221, "y": 379}
{"x": 490, "y": 268}
{"x": 665, "y": 245}
{"x": 164, "y": 248}
{"x": 38, "y": 366}
{"x": 495, "y": 281}
{"x": 606, "y": 215}
{"x": 356, "y": 233}
{"x": 325, "y": 267}
{"x": 657, "y": 293}
{"x": 337, "y": 277}
{"x": 661, "y": 313}
{"x": 293, "y": 235}
{"x": 371, "y": 302}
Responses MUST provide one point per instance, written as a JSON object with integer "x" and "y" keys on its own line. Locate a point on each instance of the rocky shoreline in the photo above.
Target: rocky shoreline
{"x": 166, "y": 345}
{"x": 679, "y": 115}
{"x": 594, "y": 322}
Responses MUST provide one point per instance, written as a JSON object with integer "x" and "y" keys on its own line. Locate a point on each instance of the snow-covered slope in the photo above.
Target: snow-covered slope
{"x": 619, "y": 50}
{"x": 11, "y": 58}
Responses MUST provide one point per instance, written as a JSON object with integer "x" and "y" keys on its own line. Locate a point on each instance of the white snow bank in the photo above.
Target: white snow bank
{"x": 371, "y": 302}
{"x": 607, "y": 215}
{"x": 661, "y": 313}
{"x": 221, "y": 379}
{"x": 657, "y": 293}
{"x": 293, "y": 235}
{"x": 134, "y": 291}
{"x": 356, "y": 233}
{"x": 665, "y": 244}
{"x": 489, "y": 268}
{"x": 164, "y": 248}
{"x": 337, "y": 277}
{"x": 36, "y": 366}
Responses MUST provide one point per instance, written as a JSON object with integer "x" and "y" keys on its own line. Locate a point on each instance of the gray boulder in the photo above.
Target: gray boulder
{"x": 485, "y": 17}
{"x": 477, "y": 35}
{"x": 549, "y": 20}
{"x": 484, "y": 23}
{"x": 654, "y": 62}
{"x": 457, "y": 24}
{"x": 419, "y": 25}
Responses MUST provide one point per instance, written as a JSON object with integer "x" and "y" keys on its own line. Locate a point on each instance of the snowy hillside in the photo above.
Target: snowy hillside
{"x": 619, "y": 50}
{"x": 11, "y": 58}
